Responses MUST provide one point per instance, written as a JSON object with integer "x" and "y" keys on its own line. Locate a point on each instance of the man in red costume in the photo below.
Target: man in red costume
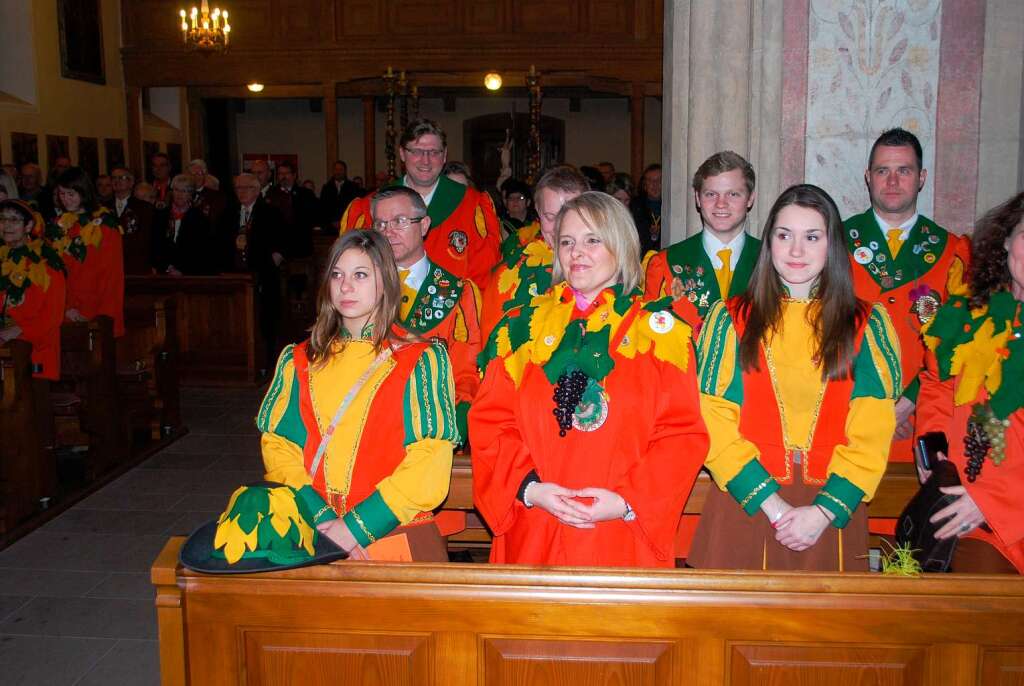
{"x": 465, "y": 235}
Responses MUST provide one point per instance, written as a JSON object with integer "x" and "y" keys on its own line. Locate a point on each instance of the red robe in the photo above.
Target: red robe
{"x": 95, "y": 282}
{"x": 39, "y": 315}
{"x": 648, "y": 450}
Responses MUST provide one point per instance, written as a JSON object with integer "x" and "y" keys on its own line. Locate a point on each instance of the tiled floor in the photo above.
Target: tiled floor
{"x": 76, "y": 605}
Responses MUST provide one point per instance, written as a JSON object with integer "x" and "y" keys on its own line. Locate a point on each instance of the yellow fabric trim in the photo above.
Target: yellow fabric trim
{"x": 862, "y": 459}
{"x": 884, "y": 364}
{"x": 729, "y": 451}
{"x": 283, "y": 461}
{"x": 327, "y": 386}
{"x": 420, "y": 482}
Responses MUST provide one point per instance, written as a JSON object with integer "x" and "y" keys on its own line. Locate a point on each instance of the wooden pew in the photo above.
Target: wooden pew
{"x": 27, "y": 466}
{"x": 219, "y": 343}
{"x": 147, "y": 369}
{"x": 477, "y": 625}
{"x": 93, "y": 417}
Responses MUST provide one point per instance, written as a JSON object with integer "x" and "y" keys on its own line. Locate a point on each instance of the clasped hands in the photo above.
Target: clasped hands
{"x": 797, "y": 528}
{"x": 337, "y": 532}
{"x": 560, "y": 502}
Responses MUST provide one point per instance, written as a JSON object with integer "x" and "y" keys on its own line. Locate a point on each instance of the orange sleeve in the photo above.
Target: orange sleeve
{"x": 500, "y": 457}
{"x": 657, "y": 486}
{"x": 487, "y": 250}
{"x": 356, "y": 215}
{"x": 39, "y": 319}
{"x": 465, "y": 345}
{"x": 491, "y": 307}
{"x": 934, "y": 400}
{"x": 657, "y": 283}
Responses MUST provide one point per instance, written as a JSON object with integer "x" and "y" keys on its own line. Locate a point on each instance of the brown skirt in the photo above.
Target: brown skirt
{"x": 727, "y": 538}
{"x": 414, "y": 543}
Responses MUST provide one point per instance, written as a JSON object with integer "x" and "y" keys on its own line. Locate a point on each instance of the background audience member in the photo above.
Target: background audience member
{"x": 335, "y": 196}
{"x": 646, "y": 209}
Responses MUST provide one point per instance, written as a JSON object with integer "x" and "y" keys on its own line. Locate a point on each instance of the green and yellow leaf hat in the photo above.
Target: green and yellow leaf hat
{"x": 266, "y": 527}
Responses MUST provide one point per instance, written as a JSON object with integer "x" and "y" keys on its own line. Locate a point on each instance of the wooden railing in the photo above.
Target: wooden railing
{"x": 471, "y": 625}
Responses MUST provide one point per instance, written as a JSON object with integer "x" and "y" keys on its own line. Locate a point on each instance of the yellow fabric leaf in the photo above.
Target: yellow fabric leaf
{"x": 955, "y": 284}
{"x": 978, "y": 362}
{"x": 508, "y": 280}
{"x": 481, "y": 225}
{"x": 282, "y": 509}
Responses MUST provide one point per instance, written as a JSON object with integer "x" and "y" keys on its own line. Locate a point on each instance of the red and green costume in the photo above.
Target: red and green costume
{"x": 975, "y": 369}
{"x": 464, "y": 236}
{"x": 91, "y": 246}
{"x": 521, "y": 276}
{"x": 32, "y": 295}
{"x": 647, "y": 447}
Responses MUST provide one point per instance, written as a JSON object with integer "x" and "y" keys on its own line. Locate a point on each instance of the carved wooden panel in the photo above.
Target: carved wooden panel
{"x": 421, "y": 17}
{"x": 283, "y": 657}
{"x": 784, "y": 665}
{"x": 611, "y": 16}
{"x": 24, "y": 148}
{"x": 56, "y": 146}
{"x": 556, "y": 662}
{"x": 299, "y": 21}
{"x": 358, "y": 18}
{"x": 89, "y": 155}
{"x": 1002, "y": 667}
{"x": 546, "y": 16}
{"x": 483, "y": 16}
{"x": 252, "y": 23}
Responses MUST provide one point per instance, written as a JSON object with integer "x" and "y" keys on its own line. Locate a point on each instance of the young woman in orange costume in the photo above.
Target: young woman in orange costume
{"x": 971, "y": 391}
{"x": 89, "y": 239}
{"x": 798, "y": 380}
{"x": 360, "y": 420}
{"x": 587, "y": 434}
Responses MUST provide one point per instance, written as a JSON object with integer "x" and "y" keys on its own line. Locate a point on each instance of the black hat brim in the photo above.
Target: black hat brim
{"x": 196, "y": 555}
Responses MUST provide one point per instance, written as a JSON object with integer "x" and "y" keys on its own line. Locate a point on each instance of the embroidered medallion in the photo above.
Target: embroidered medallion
{"x": 592, "y": 410}
{"x": 661, "y": 322}
{"x": 925, "y": 303}
{"x": 458, "y": 241}
{"x": 863, "y": 255}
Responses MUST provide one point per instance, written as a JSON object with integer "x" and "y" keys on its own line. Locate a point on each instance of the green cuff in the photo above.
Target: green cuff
{"x": 462, "y": 421}
{"x": 371, "y": 520}
{"x": 751, "y": 486}
{"x": 312, "y": 507}
{"x": 912, "y": 389}
{"x": 840, "y": 497}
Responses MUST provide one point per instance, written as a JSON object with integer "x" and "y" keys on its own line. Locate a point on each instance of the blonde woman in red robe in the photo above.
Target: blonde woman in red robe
{"x": 587, "y": 434}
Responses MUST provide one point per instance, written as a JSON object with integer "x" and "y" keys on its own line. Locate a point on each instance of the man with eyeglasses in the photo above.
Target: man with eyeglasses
{"x": 136, "y": 218}
{"x": 435, "y": 302}
{"x": 464, "y": 236}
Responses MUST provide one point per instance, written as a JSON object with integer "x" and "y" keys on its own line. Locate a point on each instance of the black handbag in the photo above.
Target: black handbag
{"x": 914, "y": 528}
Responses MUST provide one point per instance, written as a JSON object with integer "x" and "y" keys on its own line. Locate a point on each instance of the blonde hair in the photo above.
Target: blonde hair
{"x": 327, "y": 328}
{"x": 613, "y": 224}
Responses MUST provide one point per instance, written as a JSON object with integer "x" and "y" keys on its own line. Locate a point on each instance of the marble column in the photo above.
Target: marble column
{"x": 722, "y": 85}
{"x": 1001, "y": 146}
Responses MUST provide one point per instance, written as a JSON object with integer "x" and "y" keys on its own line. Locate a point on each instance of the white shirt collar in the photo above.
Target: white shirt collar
{"x": 712, "y": 244}
{"x": 120, "y": 204}
{"x": 418, "y": 273}
{"x": 429, "y": 196}
{"x": 906, "y": 226}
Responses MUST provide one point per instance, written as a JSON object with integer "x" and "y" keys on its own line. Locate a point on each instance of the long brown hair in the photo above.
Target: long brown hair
{"x": 836, "y": 314}
{"x": 990, "y": 271}
{"x": 327, "y": 328}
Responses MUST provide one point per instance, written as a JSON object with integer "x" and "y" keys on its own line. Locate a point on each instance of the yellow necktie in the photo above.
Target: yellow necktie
{"x": 895, "y": 241}
{"x": 724, "y": 275}
{"x": 408, "y": 294}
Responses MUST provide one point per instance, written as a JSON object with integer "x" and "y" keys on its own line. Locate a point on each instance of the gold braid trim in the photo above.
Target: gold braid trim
{"x": 318, "y": 515}
{"x": 362, "y": 525}
{"x": 837, "y": 501}
{"x": 757, "y": 489}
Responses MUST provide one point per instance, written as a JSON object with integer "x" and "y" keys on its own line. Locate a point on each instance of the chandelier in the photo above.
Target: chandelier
{"x": 204, "y": 30}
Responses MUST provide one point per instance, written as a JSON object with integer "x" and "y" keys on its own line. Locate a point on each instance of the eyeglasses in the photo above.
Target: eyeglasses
{"x": 122, "y": 177}
{"x": 400, "y": 223}
{"x": 420, "y": 153}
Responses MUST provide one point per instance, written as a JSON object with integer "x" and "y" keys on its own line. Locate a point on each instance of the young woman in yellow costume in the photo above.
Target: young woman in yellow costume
{"x": 360, "y": 420}
{"x": 798, "y": 381}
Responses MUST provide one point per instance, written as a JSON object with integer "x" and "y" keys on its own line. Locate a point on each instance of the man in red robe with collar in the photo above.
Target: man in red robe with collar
{"x": 464, "y": 236}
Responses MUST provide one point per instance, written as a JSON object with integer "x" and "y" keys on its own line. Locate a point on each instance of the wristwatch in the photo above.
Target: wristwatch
{"x": 629, "y": 515}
